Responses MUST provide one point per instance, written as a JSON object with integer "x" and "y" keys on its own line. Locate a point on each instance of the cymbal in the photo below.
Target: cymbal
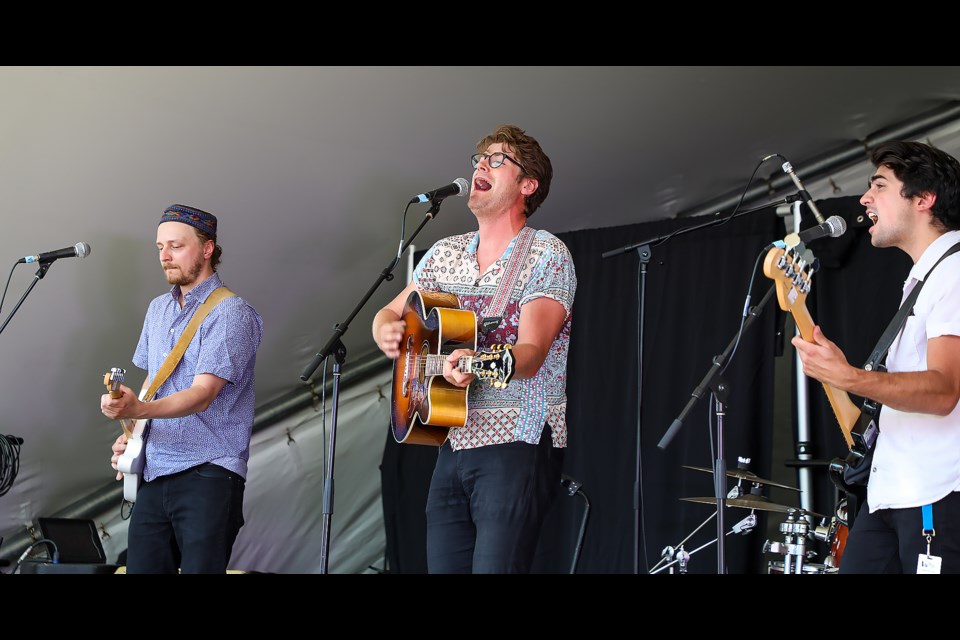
{"x": 743, "y": 474}
{"x": 755, "y": 502}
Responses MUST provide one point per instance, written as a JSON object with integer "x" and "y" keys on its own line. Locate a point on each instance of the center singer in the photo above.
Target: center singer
{"x": 496, "y": 477}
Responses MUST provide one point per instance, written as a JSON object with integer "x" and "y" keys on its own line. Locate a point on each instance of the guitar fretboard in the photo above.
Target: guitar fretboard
{"x": 432, "y": 364}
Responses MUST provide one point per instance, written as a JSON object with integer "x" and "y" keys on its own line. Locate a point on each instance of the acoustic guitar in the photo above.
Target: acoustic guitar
{"x": 424, "y": 405}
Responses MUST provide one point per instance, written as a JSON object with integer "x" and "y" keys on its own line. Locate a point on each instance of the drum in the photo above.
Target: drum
{"x": 776, "y": 567}
{"x": 837, "y": 535}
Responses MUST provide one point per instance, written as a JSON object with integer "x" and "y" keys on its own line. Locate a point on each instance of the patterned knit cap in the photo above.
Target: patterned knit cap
{"x": 206, "y": 222}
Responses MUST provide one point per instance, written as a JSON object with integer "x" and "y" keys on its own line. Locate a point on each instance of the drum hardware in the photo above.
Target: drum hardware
{"x": 680, "y": 557}
{"x": 754, "y": 500}
{"x": 793, "y": 548}
{"x": 796, "y": 530}
{"x": 775, "y": 567}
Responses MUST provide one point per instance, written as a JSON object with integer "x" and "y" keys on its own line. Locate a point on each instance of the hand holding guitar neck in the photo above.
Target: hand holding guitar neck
{"x": 112, "y": 380}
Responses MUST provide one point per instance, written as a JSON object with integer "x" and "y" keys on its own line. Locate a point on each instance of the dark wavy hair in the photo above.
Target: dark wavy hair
{"x": 528, "y": 153}
{"x": 924, "y": 169}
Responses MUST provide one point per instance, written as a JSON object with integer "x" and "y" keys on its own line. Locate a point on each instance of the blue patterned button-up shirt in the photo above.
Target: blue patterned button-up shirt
{"x": 225, "y": 345}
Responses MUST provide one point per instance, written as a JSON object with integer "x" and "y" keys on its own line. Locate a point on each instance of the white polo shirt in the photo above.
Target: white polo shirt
{"x": 917, "y": 456}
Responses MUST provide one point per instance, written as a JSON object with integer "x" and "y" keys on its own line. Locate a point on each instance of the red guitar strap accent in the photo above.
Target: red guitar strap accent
{"x": 498, "y": 302}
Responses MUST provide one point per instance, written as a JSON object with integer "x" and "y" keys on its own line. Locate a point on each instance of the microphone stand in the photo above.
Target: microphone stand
{"x": 643, "y": 251}
{"x": 720, "y": 389}
{"x": 335, "y": 345}
{"x": 37, "y": 277}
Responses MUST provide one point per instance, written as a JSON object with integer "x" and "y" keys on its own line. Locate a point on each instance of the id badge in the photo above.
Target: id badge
{"x": 928, "y": 564}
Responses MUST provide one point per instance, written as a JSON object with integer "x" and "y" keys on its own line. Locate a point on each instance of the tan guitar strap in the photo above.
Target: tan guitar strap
{"x": 215, "y": 298}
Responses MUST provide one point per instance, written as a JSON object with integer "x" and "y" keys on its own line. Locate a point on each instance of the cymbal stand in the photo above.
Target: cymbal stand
{"x": 679, "y": 556}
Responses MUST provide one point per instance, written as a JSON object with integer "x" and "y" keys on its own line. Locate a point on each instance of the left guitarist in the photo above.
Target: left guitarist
{"x": 189, "y": 507}
{"x": 495, "y": 477}
{"x": 910, "y": 522}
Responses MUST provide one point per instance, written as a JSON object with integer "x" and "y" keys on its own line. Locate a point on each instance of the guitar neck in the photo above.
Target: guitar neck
{"x": 433, "y": 364}
{"x": 844, "y": 409}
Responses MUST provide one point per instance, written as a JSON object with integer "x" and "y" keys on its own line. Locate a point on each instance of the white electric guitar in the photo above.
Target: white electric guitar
{"x": 131, "y": 460}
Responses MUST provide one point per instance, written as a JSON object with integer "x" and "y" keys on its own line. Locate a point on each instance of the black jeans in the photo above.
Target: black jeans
{"x": 890, "y": 540}
{"x": 486, "y": 506}
{"x": 187, "y": 521}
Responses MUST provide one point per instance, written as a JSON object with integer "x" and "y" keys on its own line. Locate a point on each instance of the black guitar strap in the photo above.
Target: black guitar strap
{"x": 906, "y": 309}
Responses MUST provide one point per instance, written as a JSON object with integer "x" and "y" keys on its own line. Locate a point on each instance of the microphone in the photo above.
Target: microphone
{"x": 788, "y": 169}
{"x": 79, "y": 250}
{"x": 458, "y": 187}
{"x": 834, "y": 226}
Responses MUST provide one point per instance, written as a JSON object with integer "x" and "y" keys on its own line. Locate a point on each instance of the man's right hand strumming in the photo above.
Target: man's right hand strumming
{"x": 388, "y": 332}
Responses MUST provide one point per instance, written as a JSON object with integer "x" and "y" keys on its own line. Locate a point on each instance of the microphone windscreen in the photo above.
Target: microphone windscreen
{"x": 839, "y": 226}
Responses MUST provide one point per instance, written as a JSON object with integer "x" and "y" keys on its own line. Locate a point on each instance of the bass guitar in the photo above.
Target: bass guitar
{"x": 131, "y": 460}
{"x": 424, "y": 404}
{"x": 792, "y": 270}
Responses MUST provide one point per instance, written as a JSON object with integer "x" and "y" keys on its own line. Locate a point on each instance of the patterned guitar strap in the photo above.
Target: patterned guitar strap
{"x": 493, "y": 313}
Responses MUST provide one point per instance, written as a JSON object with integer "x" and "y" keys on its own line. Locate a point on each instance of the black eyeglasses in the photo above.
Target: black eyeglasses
{"x": 494, "y": 160}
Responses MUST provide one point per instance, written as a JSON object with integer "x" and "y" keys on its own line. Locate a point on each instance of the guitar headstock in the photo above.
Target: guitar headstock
{"x": 495, "y": 366}
{"x": 792, "y": 270}
{"x": 112, "y": 381}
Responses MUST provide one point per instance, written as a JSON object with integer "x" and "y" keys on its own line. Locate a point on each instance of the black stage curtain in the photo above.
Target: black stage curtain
{"x": 855, "y": 294}
{"x": 696, "y": 285}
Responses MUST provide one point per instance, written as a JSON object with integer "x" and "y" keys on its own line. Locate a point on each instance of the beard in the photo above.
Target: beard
{"x": 181, "y": 276}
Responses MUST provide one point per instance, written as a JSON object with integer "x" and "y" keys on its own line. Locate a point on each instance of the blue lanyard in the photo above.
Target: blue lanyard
{"x": 928, "y": 530}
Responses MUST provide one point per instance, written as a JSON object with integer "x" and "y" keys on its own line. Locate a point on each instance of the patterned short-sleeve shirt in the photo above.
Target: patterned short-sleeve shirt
{"x": 518, "y": 412}
{"x": 225, "y": 345}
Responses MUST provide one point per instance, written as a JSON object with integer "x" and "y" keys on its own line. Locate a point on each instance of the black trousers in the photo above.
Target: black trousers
{"x": 187, "y": 521}
{"x": 486, "y": 505}
{"x": 890, "y": 540}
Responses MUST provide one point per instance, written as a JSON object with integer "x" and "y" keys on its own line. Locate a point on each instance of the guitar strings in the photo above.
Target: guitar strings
{"x": 422, "y": 363}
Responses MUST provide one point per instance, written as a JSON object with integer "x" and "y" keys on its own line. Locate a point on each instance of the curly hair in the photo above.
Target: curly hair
{"x": 924, "y": 169}
{"x": 217, "y": 249}
{"x": 535, "y": 162}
